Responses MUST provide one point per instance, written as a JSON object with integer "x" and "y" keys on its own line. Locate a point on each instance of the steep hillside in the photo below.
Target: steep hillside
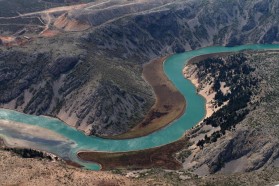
{"x": 82, "y": 61}
{"x": 243, "y": 134}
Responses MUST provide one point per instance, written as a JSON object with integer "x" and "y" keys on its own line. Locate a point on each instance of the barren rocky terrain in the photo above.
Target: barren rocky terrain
{"x": 16, "y": 171}
{"x": 246, "y": 137}
{"x": 81, "y": 61}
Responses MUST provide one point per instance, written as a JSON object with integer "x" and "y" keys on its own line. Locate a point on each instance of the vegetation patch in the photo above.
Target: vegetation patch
{"x": 234, "y": 73}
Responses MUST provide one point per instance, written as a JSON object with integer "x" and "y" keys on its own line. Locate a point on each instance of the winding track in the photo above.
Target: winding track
{"x": 124, "y": 8}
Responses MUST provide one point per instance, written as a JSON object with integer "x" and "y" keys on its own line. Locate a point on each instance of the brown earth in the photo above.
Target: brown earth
{"x": 170, "y": 103}
{"x": 159, "y": 157}
{"x": 66, "y": 24}
{"x": 13, "y": 41}
{"x": 49, "y": 33}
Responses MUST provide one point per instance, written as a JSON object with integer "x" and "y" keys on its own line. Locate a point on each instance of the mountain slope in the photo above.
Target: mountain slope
{"x": 242, "y": 135}
{"x": 89, "y": 75}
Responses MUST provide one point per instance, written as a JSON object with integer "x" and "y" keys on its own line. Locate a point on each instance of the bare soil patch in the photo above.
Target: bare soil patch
{"x": 170, "y": 103}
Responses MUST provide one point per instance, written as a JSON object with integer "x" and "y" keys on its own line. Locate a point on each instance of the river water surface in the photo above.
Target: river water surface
{"x": 77, "y": 141}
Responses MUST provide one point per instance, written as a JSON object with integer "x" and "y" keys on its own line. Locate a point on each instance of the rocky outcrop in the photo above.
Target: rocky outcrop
{"x": 109, "y": 110}
{"x": 17, "y": 74}
{"x": 62, "y": 65}
{"x": 271, "y": 35}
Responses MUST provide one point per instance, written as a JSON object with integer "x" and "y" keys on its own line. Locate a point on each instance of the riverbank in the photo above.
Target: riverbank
{"x": 24, "y": 153}
{"x": 158, "y": 157}
{"x": 170, "y": 103}
{"x": 24, "y": 144}
{"x": 203, "y": 89}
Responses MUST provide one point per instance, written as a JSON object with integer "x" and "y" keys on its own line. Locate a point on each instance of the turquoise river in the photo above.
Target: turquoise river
{"x": 194, "y": 113}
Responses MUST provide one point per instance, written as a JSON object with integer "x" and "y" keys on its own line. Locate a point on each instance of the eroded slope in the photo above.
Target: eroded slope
{"x": 82, "y": 61}
{"x": 246, "y": 128}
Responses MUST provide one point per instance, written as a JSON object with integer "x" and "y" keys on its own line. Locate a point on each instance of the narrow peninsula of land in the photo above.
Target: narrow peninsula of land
{"x": 170, "y": 103}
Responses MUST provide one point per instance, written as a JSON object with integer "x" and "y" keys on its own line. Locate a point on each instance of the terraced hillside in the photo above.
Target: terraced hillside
{"x": 81, "y": 61}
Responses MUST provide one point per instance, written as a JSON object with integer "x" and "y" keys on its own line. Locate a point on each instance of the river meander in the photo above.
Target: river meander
{"x": 77, "y": 141}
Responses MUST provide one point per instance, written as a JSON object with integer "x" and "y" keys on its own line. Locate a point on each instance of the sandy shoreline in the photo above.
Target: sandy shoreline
{"x": 204, "y": 90}
{"x": 170, "y": 103}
